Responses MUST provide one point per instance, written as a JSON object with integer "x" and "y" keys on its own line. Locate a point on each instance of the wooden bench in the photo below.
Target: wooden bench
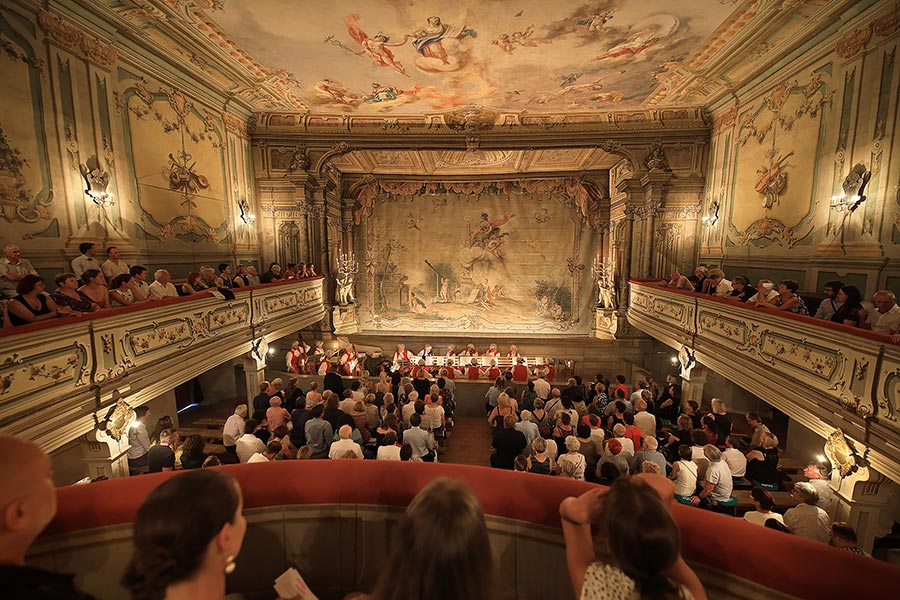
{"x": 783, "y": 501}
{"x": 208, "y": 423}
{"x": 208, "y": 435}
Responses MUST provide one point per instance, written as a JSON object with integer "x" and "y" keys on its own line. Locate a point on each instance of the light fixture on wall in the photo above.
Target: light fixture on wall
{"x": 712, "y": 216}
{"x": 246, "y": 216}
{"x": 96, "y": 180}
{"x": 854, "y": 190}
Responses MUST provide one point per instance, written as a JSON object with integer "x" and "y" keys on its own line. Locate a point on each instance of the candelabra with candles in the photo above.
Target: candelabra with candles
{"x": 347, "y": 268}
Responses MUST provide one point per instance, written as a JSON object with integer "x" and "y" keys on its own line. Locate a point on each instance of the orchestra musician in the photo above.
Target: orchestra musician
{"x": 492, "y": 351}
{"x": 295, "y": 359}
{"x": 469, "y": 351}
{"x": 350, "y": 360}
{"x": 513, "y": 352}
{"x": 473, "y": 371}
{"x": 426, "y": 351}
{"x": 494, "y": 371}
{"x": 520, "y": 371}
{"x": 451, "y": 350}
{"x": 316, "y": 358}
{"x": 402, "y": 357}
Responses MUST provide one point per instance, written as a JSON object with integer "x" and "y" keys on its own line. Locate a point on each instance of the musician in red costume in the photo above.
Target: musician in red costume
{"x": 350, "y": 360}
{"x": 494, "y": 371}
{"x": 520, "y": 371}
{"x": 492, "y": 351}
{"x": 469, "y": 351}
{"x": 402, "y": 357}
{"x": 473, "y": 371}
{"x": 316, "y": 358}
{"x": 513, "y": 351}
{"x": 295, "y": 359}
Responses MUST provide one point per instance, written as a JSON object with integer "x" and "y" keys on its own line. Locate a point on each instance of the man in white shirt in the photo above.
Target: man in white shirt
{"x": 252, "y": 276}
{"x": 529, "y": 429}
{"x": 113, "y": 266}
{"x": 86, "y": 260}
{"x": 735, "y": 459}
{"x": 718, "y": 483}
{"x": 421, "y": 441}
{"x": 407, "y": 410}
{"x": 643, "y": 420}
{"x": 806, "y": 519}
{"x": 627, "y": 444}
{"x": 830, "y": 304}
{"x": 139, "y": 282}
{"x": 234, "y": 428}
{"x": 541, "y": 387}
{"x": 268, "y": 453}
{"x": 248, "y": 444}
{"x": 886, "y": 316}
{"x": 342, "y": 447}
{"x": 162, "y": 286}
{"x": 12, "y": 269}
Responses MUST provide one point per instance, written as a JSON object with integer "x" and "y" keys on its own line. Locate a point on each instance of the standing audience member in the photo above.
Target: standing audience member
{"x": 643, "y": 539}
{"x": 806, "y": 519}
{"x": 86, "y": 259}
{"x": 27, "y": 505}
{"x": 420, "y": 441}
{"x": 187, "y": 533}
{"x": 762, "y": 463}
{"x": 644, "y": 421}
{"x": 319, "y": 432}
{"x": 572, "y": 463}
{"x": 139, "y": 440}
{"x": 114, "y": 265}
{"x": 13, "y": 268}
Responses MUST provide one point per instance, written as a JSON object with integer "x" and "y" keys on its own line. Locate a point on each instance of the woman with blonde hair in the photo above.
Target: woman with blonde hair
{"x": 441, "y": 550}
{"x": 762, "y": 463}
{"x": 500, "y": 411}
{"x": 539, "y": 461}
{"x": 572, "y": 463}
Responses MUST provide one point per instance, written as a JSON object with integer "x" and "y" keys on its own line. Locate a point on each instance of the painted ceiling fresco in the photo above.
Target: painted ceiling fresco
{"x": 406, "y": 56}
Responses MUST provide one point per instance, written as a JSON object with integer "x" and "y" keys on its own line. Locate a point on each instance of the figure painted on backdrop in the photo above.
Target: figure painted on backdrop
{"x": 429, "y": 39}
{"x": 295, "y": 359}
{"x": 377, "y": 48}
{"x": 416, "y": 304}
{"x": 444, "y": 294}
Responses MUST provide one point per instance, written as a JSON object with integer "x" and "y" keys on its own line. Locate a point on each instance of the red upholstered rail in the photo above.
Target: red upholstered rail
{"x": 878, "y": 337}
{"x": 115, "y": 312}
{"x": 794, "y": 566}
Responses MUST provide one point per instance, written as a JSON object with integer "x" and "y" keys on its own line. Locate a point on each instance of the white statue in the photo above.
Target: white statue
{"x": 347, "y": 267}
{"x": 606, "y": 283}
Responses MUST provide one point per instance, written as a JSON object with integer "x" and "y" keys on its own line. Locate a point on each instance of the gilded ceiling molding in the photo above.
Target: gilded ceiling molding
{"x": 855, "y": 42}
{"x": 889, "y": 24}
{"x": 76, "y": 40}
{"x": 236, "y": 124}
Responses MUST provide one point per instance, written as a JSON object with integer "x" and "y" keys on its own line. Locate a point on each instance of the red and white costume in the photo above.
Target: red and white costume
{"x": 295, "y": 359}
{"x": 350, "y": 360}
{"x": 402, "y": 358}
{"x": 473, "y": 372}
{"x": 520, "y": 373}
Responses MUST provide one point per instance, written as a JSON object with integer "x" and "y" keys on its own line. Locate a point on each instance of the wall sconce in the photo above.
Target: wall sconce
{"x": 96, "y": 181}
{"x": 712, "y": 216}
{"x": 246, "y": 216}
{"x": 854, "y": 187}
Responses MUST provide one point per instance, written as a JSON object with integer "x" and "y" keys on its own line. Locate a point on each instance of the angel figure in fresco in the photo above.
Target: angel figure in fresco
{"x": 416, "y": 305}
{"x": 597, "y": 21}
{"x": 377, "y": 48}
{"x": 428, "y": 40}
{"x": 333, "y": 91}
{"x": 633, "y": 45}
{"x": 507, "y": 41}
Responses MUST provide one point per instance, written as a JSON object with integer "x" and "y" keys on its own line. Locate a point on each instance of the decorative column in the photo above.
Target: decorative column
{"x": 254, "y": 363}
{"x": 654, "y": 184}
{"x": 103, "y": 455}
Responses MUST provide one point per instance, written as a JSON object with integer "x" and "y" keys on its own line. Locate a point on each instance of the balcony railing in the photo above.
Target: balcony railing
{"x": 821, "y": 374}
{"x": 55, "y": 375}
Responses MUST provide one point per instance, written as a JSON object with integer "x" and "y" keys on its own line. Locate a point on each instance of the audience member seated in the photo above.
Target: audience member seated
{"x": 121, "y": 291}
{"x": 851, "y": 311}
{"x": 266, "y": 454}
{"x": 741, "y": 290}
{"x": 718, "y": 285}
{"x": 31, "y": 305}
{"x": 13, "y": 269}
{"x": 634, "y": 518}
{"x": 818, "y": 478}
{"x": 830, "y": 304}
{"x": 645, "y": 421}
{"x": 272, "y": 274}
{"x": 679, "y": 282}
{"x": 649, "y": 452}
{"x": 249, "y": 444}
{"x": 613, "y": 455}
{"x": 717, "y": 483}
{"x": 762, "y": 463}
{"x": 886, "y": 316}
{"x": 161, "y": 457}
{"x": 192, "y": 454}
{"x": 422, "y": 442}
{"x": 94, "y": 287}
{"x": 27, "y": 505}
{"x": 765, "y": 507}
{"x": 193, "y": 285}
{"x": 508, "y": 443}
{"x": 787, "y": 299}
{"x": 572, "y": 463}
{"x": 539, "y": 462}
{"x": 344, "y": 446}
{"x": 626, "y": 442}
{"x": 685, "y": 474}
{"x": 187, "y": 534}
{"x": 139, "y": 283}
{"x": 806, "y": 519}
{"x": 701, "y": 283}
{"x": 390, "y": 449}
{"x": 675, "y": 438}
{"x": 69, "y": 298}
{"x": 765, "y": 292}
{"x": 735, "y": 459}
{"x": 844, "y": 537}
{"x": 162, "y": 286}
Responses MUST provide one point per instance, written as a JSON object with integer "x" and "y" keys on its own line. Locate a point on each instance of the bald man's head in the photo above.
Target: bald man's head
{"x": 27, "y": 497}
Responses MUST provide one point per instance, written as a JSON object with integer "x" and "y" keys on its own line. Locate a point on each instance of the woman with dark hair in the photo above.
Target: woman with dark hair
{"x": 273, "y": 274}
{"x": 192, "y": 455}
{"x": 643, "y": 539}
{"x": 787, "y": 299}
{"x": 67, "y": 295}
{"x": 849, "y": 312}
{"x": 162, "y": 423}
{"x": 187, "y": 533}
{"x": 93, "y": 285}
{"x": 441, "y": 550}
{"x": 121, "y": 291}
{"x": 240, "y": 279}
{"x": 32, "y": 304}
{"x": 193, "y": 285}
{"x": 765, "y": 505}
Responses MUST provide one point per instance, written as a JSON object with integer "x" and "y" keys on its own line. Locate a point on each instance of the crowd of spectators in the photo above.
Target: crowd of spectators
{"x": 93, "y": 286}
{"x": 842, "y": 303}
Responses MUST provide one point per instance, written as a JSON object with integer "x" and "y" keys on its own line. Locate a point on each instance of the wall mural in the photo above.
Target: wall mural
{"x": 178, "y": 163}
{"x": 381, "y": 55}
{"x": 513, "y": 260}
{"x": 775, "y": 199}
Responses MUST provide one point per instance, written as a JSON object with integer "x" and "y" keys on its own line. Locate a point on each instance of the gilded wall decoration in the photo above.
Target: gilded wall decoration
{"x": 76, "y": 40}
{"x": 503, "y": 267}
{"x": 14, "y": 195}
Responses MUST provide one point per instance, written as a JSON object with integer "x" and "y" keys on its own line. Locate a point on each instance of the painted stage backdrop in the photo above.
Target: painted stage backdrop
{"x": 502, "y": 260}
